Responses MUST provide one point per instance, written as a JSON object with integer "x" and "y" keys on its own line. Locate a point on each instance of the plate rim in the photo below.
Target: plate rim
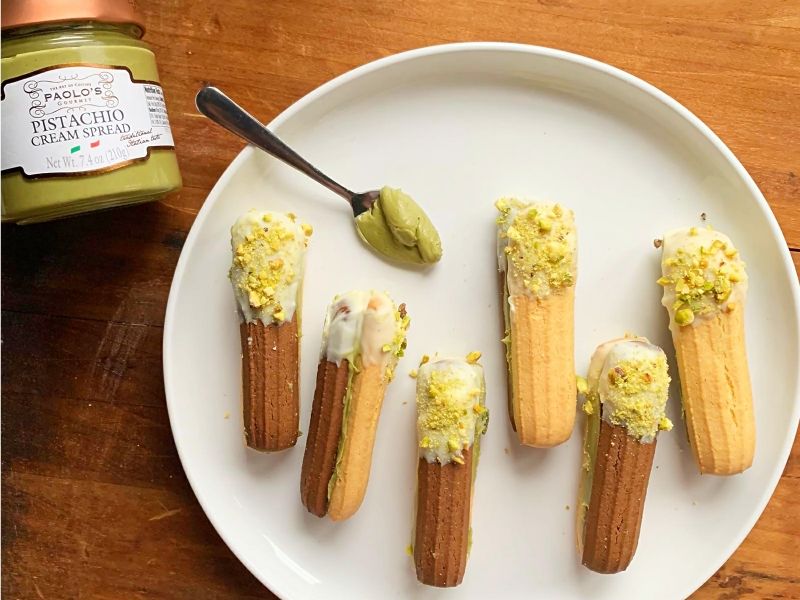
{"x": 277, "y": 585}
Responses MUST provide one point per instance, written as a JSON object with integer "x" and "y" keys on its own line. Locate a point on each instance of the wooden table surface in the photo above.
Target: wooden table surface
{"x": 94, "y": 500}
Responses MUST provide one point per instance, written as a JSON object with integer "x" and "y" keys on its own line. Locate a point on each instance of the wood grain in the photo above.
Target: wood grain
{"x": 94, "y": 501}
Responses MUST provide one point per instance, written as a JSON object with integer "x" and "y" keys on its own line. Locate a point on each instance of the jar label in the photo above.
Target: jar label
{"x": 80, "y": 120}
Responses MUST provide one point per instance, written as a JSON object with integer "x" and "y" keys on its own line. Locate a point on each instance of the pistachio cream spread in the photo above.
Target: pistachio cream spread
{"x": 84, "y": 119}
{"x": 397, "y": 227}
{"x": 702, "y": 274}
{"x": 368, "y": 325}
{"x": 268, "y": 261}
{"x": 451, "y": 411}
{"x": 536, "y": 246}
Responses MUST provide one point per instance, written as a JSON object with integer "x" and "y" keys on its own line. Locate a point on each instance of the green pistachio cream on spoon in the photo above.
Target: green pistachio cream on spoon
{"x": 397, "y": 227}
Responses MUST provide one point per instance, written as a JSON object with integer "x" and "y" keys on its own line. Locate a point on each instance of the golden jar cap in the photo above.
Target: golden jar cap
{"x": 23, "y": 13}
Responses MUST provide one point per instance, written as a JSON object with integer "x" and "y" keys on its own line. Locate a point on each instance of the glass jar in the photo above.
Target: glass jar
{"x": 84, "y": 123}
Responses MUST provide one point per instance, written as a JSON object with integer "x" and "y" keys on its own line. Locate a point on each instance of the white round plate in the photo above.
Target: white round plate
{"x": 458, "y": 126}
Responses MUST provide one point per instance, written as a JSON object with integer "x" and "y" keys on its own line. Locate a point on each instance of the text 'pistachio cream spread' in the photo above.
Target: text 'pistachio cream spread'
{"x": 84, "y": 121}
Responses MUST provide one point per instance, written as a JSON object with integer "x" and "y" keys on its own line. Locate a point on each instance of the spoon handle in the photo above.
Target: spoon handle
{"x": 222, "y": 110}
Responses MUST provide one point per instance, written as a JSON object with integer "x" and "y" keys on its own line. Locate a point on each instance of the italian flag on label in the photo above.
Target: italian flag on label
{"x": 75, "y": 149}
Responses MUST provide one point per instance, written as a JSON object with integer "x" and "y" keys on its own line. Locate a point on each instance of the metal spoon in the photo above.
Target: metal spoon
{"x": 222, "y": 110}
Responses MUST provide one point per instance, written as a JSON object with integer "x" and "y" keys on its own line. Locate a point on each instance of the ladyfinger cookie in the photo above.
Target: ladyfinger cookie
{"x": 705, "y": 285}
{"x": 451, "y": 417}
{"x": 537, "y": 252}
{"x": 626, "y": 395}
{"x": 363, "y": 338}
{"x": 267, "y": 270}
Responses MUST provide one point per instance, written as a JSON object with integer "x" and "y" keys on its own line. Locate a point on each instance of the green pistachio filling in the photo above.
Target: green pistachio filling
{"x": 507, "y": 343}
{"x": 352, "y": 370}
{"x": 591, "y": 435}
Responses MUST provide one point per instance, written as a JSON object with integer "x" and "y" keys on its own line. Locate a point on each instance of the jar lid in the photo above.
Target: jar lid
{"x": 21, "y": 13}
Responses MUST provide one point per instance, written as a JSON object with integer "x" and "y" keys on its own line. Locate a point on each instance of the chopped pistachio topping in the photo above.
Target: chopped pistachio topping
{"x": 587, "y": 407}
{"x": 267, "y": 265}
{"x": 581, "y": 385}
{"x": 537, "y": 246}
{"x": 473, "y": 357}
{"x": 263, "y": 276}
{"x": 396, "y": 349}
{"x": 450, "y": 409}
{"x": 701, "y": 274}
{"x": 684, "y": 316}
{"x": 634, "y": 386}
